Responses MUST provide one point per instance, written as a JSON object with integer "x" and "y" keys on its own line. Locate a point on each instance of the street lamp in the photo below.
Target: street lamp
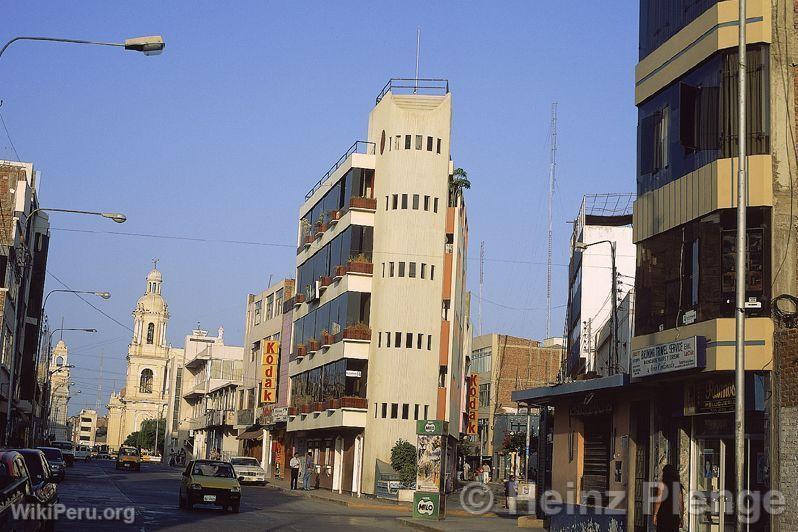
{"x": 152, "y": 45}
{"x": 582, "y": 246}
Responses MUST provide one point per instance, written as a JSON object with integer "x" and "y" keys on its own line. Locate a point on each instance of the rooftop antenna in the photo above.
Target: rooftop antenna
{"x": 552, "y": 168}
{"x": 418, "y": 54}
{"x": 155, "y": 263}
{"x": 481, "y": 271}
{"x": 61, "y": 334}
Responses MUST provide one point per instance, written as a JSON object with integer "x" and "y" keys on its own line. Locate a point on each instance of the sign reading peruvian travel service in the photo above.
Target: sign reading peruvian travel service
{"x": 678, "y": 355}
{"x": 269, "y": 361}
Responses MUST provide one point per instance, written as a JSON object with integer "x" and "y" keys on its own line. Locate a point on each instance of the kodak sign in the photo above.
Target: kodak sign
{"x": 472, "y": 404}
{"x": 268, "y": 371}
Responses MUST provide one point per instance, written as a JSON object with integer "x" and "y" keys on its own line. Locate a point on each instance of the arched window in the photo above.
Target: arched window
{"x": 59, "y": 361}
{"x": 150, "y": 332}
{"x": 145, "y": 382}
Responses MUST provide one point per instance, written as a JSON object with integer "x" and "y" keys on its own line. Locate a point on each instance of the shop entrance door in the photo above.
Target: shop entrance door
{"x": 714, "y": 484}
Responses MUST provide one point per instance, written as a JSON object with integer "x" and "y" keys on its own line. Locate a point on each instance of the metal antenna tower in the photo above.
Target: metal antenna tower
{"x": 552, "y": 168}
{"x": 481, "y": 272}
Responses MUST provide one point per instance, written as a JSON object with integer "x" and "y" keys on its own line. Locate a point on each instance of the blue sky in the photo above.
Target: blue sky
{"x": 220, "y": 137}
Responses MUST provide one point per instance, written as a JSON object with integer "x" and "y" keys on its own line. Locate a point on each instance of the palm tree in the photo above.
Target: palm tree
{"x": 457, "y": 183}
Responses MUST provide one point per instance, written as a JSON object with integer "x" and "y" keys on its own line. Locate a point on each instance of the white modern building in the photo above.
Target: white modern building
{"x": 602, "y": 227}
{"x": 86, "y": 427}
{"x": 381, "y": 319}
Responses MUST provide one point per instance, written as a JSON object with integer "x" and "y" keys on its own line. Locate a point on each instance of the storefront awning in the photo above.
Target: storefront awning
{"x": 251, "y": 435}
{"x": 546, "y": 394}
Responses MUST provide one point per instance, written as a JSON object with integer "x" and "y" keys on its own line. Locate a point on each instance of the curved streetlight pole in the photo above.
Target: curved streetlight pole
{"x": 152, "y": 45}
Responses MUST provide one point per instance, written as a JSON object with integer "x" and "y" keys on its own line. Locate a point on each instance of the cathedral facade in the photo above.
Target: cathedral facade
{"x": 145, "y": 394}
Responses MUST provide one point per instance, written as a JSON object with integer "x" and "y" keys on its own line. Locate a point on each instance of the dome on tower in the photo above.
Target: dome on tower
{"x": 154, "y": 276}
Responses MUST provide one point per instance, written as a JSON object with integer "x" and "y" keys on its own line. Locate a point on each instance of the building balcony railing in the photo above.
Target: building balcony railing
{"x": 245, "y": 417}
{"x": 428, "y": 86}
{"x": 366, "y": 204}
{"x": 358, "y": 403}
{"x": 360, "y": 146}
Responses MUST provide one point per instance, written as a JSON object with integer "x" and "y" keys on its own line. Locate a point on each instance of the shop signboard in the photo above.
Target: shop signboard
{"x": 679, "y": 355}
{"x": 711, "y": 396}
{"x": 472, "y": 404}
{"x": 269, "y": 362}
{"x": 429, "y": 498}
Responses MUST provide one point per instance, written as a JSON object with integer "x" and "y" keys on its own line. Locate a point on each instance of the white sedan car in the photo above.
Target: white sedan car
{"x": 248, "y": 469}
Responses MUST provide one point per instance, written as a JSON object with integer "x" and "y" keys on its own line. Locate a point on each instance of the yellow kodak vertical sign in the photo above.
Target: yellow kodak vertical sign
{"x": 269, "y": 361}
{"x": 473, "y": 404}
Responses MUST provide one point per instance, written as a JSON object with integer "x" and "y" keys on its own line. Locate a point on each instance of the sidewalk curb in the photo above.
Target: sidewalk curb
{"x": 349, "y": 504}
{"x": 417, "y": 524}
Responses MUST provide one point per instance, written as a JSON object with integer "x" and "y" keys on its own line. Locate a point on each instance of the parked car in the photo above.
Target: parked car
{"x": 83, "y": 452}
{"x": 67, "y": 449}
{"x": 17, "y": 487}
{"x": 128, "y": 458}
{"x": 45, "y": 491}
{"x": 210, "y": 482}
{"x": 248, "y": 469}
{"x": 55, "y": 459}
{"x": 101, "y": 452}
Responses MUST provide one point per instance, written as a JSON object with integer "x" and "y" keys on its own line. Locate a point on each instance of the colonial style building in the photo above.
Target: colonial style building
{"x": 381, "y": 315}
{"x": 144, "y": 395}
{"x": 59, "y": 392}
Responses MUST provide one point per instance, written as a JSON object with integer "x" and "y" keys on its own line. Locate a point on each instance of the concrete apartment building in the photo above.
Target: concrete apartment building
{"x": 59, "y": 393}
{"x": 261, "y": 421}
{"x": 381, "y": 319}
{"x": 211, "y": 376}
{"x": 24, "y": 240}
{"x": 85, "y": 427}
{"x": 602, "y": 219}
{"x": 678, "y": 408}
{"x": 503, "y": 364}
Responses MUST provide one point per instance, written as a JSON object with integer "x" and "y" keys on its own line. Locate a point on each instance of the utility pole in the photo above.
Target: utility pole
{"x": 552, "y": 168}
{"x": 740, "y": 281}
{"x": 614, "y": 356}
{"x": 481, "y": 278}
{"x": 99, "y": 385}
{"x": 418, "y": 55}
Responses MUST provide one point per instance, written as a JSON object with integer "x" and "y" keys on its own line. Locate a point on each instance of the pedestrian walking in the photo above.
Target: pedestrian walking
{"x": 466, "y": 471}
{"x": 485, "y": 474}
{"x": 669, "y": 505}
{"x": 308, "y": 471}
{"x": 511, "y": 492}
{"x": 294, "y": 464}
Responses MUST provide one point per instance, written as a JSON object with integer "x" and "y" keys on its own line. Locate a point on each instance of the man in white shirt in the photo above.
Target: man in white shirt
{"x": 294, "y": 464}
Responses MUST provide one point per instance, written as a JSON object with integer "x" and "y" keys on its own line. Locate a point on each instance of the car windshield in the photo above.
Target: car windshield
{"x": 53, "y": 455}
{"x": 128, "y": 452}
{"x": 35, "y": 466}
{"x": 244, "y": 462}
{"x": 213, "y": 469}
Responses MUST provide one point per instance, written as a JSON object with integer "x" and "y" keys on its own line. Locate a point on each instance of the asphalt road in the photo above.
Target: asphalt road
{"x": 153, "y": 492}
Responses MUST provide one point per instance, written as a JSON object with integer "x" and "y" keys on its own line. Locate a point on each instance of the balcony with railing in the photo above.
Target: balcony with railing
{"x": 341, "y": 412}
{"x": 245, "y": 417}
{"x": 360, "y": 146}
{"x": 422, "y": 86}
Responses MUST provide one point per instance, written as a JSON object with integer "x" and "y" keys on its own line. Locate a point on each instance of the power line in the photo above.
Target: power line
{"x": 89, "y": 303}
{"x": 9, "y": 135}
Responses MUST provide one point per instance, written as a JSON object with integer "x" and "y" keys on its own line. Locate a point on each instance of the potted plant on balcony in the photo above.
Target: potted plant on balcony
{"x": 358, "y": 331}
{"x": 327, "y": 339}
{"x": 340, "y": 271}
{"x": 313, "y": 345}
{"x": 335, "y": 404}
{"x": 359, "y": 263}
{"x": 299, "y": 299}
{"x": 301, "y": 350}
{"x": 325, "y": 281}
{"x": 305, "y": 409}
{"x": 334, "y": 216}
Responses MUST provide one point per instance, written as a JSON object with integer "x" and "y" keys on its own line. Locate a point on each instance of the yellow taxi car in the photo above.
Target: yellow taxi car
{"x": 210, "y": 482}
{"x": 128, "y": 458}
